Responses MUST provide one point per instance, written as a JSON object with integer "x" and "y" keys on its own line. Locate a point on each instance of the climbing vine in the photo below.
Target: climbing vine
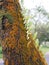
{"x": 17, "y": 50}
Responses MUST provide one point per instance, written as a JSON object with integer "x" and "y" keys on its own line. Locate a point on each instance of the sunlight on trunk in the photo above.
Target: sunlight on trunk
{"x": 17, "y": 50}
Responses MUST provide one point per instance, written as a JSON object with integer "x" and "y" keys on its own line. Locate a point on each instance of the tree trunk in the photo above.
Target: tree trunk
{"x": 17, "y": 50}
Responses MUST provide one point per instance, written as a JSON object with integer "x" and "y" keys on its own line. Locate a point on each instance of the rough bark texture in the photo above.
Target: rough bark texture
{"x": 17, "y": 50}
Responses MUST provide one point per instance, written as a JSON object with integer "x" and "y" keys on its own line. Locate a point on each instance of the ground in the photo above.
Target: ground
{"x": 1, "y": 62}
{"x": 47, "y": 57}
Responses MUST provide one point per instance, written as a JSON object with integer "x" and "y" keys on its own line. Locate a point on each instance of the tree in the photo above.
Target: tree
{"x": 17, "y": 50}
{"x": 41, "y": 20}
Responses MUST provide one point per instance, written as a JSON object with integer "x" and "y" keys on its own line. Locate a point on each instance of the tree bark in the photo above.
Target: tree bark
{"x": 17, "y": 50}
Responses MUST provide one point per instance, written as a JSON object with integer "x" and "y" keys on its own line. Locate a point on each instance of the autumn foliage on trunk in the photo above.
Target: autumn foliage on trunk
{"x": 17, "y": 50}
